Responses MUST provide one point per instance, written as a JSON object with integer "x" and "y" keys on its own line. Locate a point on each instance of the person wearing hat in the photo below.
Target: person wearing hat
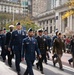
{"x": 29, "y": 46}
{"x": 2, "y": 44}
{"x": 48, "y": 41}
{"x": 16, "y": 44}
{"x": 8, "y": 38}
{"x": 42, "y": 44}
{"x": 58, "y": 47}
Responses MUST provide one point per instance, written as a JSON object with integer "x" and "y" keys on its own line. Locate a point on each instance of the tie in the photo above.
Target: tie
{"x": 19, "y": 31}
{"x": 31, "y": 39}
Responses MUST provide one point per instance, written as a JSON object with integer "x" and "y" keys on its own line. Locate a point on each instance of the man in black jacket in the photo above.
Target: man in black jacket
{"x": 42, "y": 44}
{"x": 8, "y": 38}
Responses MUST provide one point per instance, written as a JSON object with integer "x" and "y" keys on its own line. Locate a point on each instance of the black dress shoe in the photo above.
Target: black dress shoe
{"x": 61, "y": 69}
{"x": 25, "y": 73}
{"x": 10, "y": 65}
{"x": 4, "y": 60}
{"x": 46, "y": 63}
{"x": 48, "y": 58}
{"x": 37, "y": 66}
{"x": 18, "y": 73}
{"x": 69, "y": 63}
{"x": 54, "y": 64}
{"x": 42, "y": 72}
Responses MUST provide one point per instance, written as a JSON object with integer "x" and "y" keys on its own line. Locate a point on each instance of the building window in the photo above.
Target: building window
{"x": 65, "y": 22}
{"x": 56, "y": 17}
{"x": 50, "y": 21}
{"x": 54, "y": 28}
{"x": 0, "y": 7}
{"x": 51, "y": 29}
{"x": 4, "y": 8}
{"x": 43, "y": 22}
{"x": 40, "y": 23}
{"x": 47, "y": 21}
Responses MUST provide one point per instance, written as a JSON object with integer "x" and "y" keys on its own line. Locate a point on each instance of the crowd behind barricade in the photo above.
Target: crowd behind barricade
{"x": 30, "y": 44}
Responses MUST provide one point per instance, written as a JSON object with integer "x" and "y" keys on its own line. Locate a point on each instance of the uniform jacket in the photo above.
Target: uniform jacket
{"x": 29, "y": 47}
{"x": 58, "y": 46}
{"x": 42, "y": 44}
{"x": 8, "y": 38}
{"x": 16, "y": 40}
{"x": 48, "y": 40}
{"x": 2, "y": 40}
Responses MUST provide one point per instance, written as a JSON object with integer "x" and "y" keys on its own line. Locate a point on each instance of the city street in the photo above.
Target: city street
{"x": 29, "y": 27}
{"x": 48, "y": 69}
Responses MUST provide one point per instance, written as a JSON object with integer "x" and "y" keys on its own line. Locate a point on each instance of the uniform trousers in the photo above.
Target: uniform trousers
{"x": 10, "y": 56}
{"x": 39, "y": 64}
{"x": 29, "y": 69}
{"x": 58, "y": 60}
{"x": 3, "y": 54}
{"x": 17, "y": 60}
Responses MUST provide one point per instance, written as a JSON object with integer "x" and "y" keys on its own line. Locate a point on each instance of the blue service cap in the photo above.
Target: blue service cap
{"x": 18, "y": 23}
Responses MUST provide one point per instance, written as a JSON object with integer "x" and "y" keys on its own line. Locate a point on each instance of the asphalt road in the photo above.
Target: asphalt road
{"x": 48, "y": 69}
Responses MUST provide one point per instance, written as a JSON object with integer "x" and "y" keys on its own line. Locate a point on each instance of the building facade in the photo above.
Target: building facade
{"x": 27, "y": 5}
{"x": 9, "y": 11}
{"x": 38, "y": 6}
{"x": 10, "y": 7}
{"x": 52, "y": 19}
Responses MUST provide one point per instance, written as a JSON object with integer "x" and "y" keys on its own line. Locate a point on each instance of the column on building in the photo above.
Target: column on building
{"x": 68, "y": 20}
{"x": 62, "y": 26}
{"x": 64, "y": 23}
{"x": 42, "y": 24}
{"x": 52, "y": 25}
{"x": 56, "y": 17}
{"x": 57, "y": 2}
{"x": 48, "y": 26}
{"x": 58, "y": 21}
{"x": 73, "y": 23}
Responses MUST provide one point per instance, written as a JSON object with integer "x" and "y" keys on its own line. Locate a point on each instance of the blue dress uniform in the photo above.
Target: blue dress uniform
{"x": 29, "y": 46}
{"x": 16, "y": 45}
{"x": 2, "y": 44}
